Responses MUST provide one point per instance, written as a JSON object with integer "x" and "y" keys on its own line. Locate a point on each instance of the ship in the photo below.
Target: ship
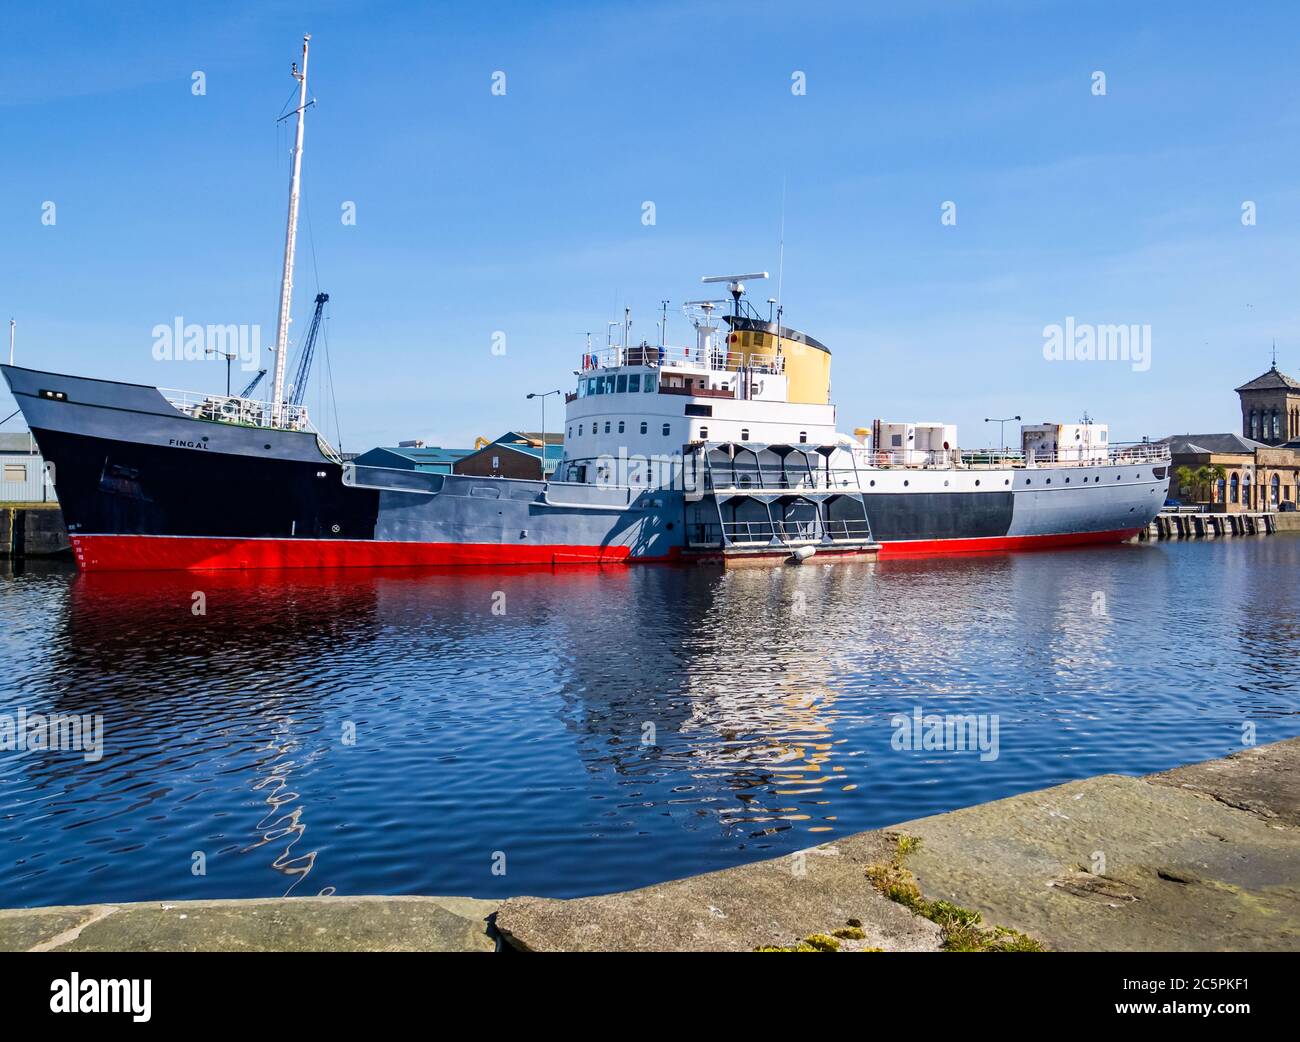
{"x": 726, "y": 448}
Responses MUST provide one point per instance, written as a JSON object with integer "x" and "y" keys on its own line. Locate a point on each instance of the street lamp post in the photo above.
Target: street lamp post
{"x": 229, "y": 358}
{"x": 543, "y": 395}
{"x": 1001, "y": 428}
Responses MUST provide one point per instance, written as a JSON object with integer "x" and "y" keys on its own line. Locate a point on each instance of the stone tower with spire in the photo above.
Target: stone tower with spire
{"x": 1270, "y": 407}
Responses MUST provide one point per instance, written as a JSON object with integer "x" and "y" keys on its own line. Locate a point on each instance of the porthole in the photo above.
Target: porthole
{"x": 1067, "y": 481}
{"x": 1007, "y": 481}
{"x": 977, "y": 482}
{"x": 873, "y": 482}
{"x": 906, "y": 483}
{"x": 1028, "y": 482}
{"x": 1049, "y": 481}
{"x": 945, "y": 484}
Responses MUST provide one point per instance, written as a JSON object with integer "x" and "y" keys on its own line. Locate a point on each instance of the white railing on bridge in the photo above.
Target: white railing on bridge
{"x": 715, "y": 359}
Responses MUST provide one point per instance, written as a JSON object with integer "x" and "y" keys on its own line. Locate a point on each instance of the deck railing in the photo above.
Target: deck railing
{"x": 791, "y": 532}
{"x": 229, "y": 408}
{"x": 1000, "y": 459}
{"x": 716, "y": 359}
{"x": 245, "y": 412}
{"x": 749, "y": 478}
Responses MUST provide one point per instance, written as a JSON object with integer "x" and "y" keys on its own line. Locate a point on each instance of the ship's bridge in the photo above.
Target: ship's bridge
{"x": 744, "y": 380}
{"x": 706, "y": 372}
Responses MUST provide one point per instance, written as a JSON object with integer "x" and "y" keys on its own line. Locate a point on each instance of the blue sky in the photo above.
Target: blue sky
{"x": 477, "y": 213}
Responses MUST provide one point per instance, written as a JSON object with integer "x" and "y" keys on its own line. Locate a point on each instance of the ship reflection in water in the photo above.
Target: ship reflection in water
{"x": 499, "y": 732}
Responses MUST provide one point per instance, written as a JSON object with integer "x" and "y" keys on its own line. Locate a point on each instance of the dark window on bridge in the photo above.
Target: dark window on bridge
{"x": 698, "y": 410}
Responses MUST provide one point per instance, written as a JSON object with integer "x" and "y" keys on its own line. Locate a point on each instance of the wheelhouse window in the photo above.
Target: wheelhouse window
{"x": 600, "y": 385}
{"x": 649, "y": 383}
{"x": 622, "y": 383}
{"x": 634, "y": 383}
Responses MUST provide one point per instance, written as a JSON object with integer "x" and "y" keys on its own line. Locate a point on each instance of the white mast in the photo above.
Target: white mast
{"x": 290, "y": 241}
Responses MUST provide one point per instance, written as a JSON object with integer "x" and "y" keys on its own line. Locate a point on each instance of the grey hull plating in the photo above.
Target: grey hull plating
{"x": 447, "y": 508}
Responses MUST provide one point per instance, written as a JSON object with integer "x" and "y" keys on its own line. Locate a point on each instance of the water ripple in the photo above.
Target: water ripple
{"x": 388, "y": 732}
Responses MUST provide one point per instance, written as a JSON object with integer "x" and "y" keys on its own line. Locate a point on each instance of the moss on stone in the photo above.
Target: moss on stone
{"x": 802, "y": 946}
{"x": 959, "y": 927}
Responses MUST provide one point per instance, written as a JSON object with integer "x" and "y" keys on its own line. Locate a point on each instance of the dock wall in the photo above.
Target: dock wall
{"x": 32, "y": 530}
{"x": 1188, "y": 525}
{"x": 1198, "y": 858}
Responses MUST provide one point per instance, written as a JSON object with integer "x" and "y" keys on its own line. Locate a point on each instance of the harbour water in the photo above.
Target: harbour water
{"x": 491, "y": 733}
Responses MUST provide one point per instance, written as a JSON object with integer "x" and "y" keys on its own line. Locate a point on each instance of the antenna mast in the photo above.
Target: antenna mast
{"x": 780, "y": 265}
{"x": 290, "y": 241}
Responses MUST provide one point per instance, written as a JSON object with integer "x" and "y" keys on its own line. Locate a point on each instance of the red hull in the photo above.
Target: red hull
{"x": 118, "y": 553}
{"x": 1001, "y": 544}
{"x": 194, "y": 553}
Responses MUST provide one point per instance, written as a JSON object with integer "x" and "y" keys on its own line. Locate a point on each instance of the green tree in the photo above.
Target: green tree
{"x": 1200, "y": 485}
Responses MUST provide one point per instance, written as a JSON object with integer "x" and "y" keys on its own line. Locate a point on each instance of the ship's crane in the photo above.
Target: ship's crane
{"x": 252, "y": 384}
{"x": 299, "y": 388}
